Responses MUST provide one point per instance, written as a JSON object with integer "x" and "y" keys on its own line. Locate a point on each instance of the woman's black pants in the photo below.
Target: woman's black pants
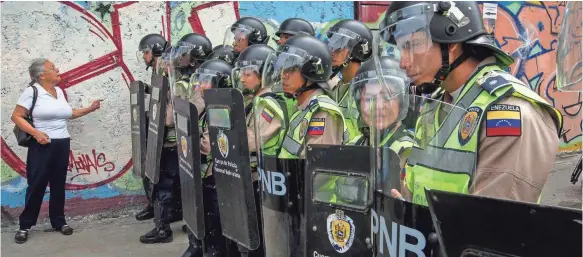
{"x": 46, "y": 164}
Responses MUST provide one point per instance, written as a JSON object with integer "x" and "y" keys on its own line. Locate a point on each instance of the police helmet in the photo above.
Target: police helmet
{"x": 392, "y": 84}
{"x": 222, "y": 52}
{"x": 252, "y": 60}
{"x": 351, "y": 34}
{"x": 254, "y": 55}
{"x": 257, "y": 31}
{"x": 217, "y": 72}
{"x": 155, "y": 43}
{"x": 295, "y": 26}
{"x": 198, "y": 46}
{"x": 451, "y": 22}
{"x": 317, "y": 60}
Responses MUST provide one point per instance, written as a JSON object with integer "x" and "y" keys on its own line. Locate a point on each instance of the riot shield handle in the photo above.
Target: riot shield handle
{"x": 577, "y": 172}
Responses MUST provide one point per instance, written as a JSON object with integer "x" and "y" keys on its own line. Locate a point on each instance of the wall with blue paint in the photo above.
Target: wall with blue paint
{"x": 98, "y": 36}
{"x": 94, "y": 36}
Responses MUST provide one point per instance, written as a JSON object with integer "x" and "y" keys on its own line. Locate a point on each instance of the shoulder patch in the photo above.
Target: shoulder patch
{"x": 503, "y": 120}
{"x": 468, "y": 124}
{"x": 316, "y": 127}
{"x": 267, "y": 114}
{"x": 492, "y": 81}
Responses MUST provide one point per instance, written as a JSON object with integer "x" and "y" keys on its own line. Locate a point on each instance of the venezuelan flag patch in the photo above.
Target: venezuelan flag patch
{"x": 267, "y": 115}
{"x": 316, "y": 127}
{"x": 503, "y": 120}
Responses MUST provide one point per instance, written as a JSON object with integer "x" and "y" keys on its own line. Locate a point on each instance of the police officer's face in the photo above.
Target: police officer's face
{"x": 283, "y": 38}
{"x": 420, "y": 57}
{"x": 184, "y": 60}
{"x": 250, "y": 79}
{"x": 339, "y": 56}
{"x": 205, "y": 85}
{"x": 292, "y": 80}
{"x": 147, "y": 56}
{"x": 379, "y": 110}
{"x": 240, "y": 42}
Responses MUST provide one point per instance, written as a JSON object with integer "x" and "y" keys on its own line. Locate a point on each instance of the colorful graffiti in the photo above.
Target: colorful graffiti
{"x": 94, "y": 44}
{"x": 529, "y": 32}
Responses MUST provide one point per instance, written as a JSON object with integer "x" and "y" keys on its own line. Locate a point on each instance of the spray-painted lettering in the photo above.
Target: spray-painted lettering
{"x": 85, "y": 164}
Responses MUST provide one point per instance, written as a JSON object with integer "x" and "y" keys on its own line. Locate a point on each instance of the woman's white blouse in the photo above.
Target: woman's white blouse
{"x": 50, "y": 115}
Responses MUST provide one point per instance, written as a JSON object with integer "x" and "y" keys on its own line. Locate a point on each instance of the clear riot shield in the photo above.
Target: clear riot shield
{"x": 282, "y": 176}
{"x": 401, "y": 224}
{"x": 188, "y": 146}
{"x": 139, "y": 127}
{"x": 180, "y": 60}
{"x": 156, "y": 126}
{"x": 569, "y": 50}
{"x": 231, "y": 166}
{"x": 480, "y": 226}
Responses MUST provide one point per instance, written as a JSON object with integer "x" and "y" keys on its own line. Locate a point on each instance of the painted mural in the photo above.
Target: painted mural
{"x": 529, "y": 32}
{"x": 94, "y": 44}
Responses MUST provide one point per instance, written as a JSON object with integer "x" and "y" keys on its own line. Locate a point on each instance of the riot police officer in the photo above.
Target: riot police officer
{"x": 383, "y": 106}
{"x": 292, "y": 27}
{"x": 167, "y": 204}
{"x": 222, "y": 52}
{"x": 350, "y": 42}
{"x": 189, "y": 53}
{"x": 213, "y": 73}
{"x": 390, "y": 103}
{"x": 303, "y": 66}
{"x": 150, "y": 49}
{"x": 265, "y": 117}
{"x": 444, "y": 44}
{"x": 245, "y": 32}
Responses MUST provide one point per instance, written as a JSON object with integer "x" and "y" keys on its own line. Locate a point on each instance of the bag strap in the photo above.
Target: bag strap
{"x": 34, "y": 97}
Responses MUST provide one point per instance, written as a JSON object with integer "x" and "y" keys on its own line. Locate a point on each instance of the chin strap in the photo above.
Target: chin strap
{"x": 150, "y": 64}
{"x": 444, "y": 71}
{"x": 337, "y": 69}
{"x": 303, "y": 89}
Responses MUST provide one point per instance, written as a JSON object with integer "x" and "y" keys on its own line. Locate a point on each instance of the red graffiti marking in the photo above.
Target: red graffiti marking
{"x": 194, "y": 19}
{"x": 82, "y": 73}
{"x": 85, "y": 163}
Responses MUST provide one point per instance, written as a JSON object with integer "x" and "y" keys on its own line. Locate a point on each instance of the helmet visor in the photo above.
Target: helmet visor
{"x": 407, "y": 38}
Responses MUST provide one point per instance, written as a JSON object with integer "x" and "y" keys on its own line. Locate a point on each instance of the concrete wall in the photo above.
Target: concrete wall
{"x": 94, "y": 45}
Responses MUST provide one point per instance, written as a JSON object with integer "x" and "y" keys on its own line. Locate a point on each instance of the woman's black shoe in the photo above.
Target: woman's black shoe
{"x": 21, "y": 236}
{"x": 66, "y": 230}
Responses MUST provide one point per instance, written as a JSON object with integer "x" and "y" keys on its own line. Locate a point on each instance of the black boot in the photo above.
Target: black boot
{"x": 162, "y": 232}
{"x": 157, "y": 235}
{"x": 146, "y": 214}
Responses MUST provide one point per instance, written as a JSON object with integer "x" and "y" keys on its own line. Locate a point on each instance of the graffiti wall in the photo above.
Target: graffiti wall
{"x": 94, "y": 45}
{"x": 529, "y": 32}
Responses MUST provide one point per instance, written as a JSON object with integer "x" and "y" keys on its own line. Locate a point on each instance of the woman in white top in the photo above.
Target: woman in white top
{"x": 48, "y": 153}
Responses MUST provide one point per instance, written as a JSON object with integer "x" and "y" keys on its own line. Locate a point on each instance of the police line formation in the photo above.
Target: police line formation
{"x": 415, "y": 142}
